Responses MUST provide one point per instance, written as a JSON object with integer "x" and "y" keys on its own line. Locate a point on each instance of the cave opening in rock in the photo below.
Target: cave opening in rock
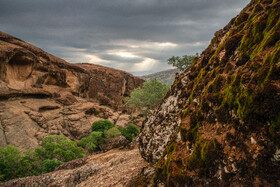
{"x": 19, "y": 69}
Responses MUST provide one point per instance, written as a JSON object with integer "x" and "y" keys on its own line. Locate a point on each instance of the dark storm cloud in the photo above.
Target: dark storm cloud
{"x": 138, "y": 35}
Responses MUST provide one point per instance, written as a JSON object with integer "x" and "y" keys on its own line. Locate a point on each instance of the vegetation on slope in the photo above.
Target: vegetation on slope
{"x": 54, "y": 151}
{"x": 147, "y": 97}
{"x": 103, "y": 131}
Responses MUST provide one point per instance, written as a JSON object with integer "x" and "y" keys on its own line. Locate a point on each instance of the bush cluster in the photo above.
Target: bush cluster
{"x": 102, "y": 125}
{"x": 104, "y": 130}
{"x": 54, "y": 151}
{"x": 129, "y": 132}
{"x": 92, "y": 141}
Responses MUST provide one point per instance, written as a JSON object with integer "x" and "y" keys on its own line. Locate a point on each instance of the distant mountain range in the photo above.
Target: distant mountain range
{"x": 166, "y": 77}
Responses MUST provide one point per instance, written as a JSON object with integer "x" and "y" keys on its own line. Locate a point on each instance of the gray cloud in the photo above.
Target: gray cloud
{"x": 120, "y": 33}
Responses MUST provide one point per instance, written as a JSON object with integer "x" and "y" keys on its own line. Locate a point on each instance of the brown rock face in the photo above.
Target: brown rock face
{"x": 24, "y": 66}
{"x": 43, "y": 95}
{"x": 219, "y": 125}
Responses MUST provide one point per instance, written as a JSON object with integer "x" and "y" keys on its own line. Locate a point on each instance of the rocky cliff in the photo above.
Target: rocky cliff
{"x": 219, "y": 124}
{"x": 43, "y": 95}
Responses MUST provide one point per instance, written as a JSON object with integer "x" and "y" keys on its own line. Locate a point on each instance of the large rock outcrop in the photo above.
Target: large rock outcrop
{"x": 42, "y": 95}
{"x": 26, "y": 67}
{"x": 219, "y": 124}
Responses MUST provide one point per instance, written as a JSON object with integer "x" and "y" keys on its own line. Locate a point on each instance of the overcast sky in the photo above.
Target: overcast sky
{"x": 137, "y": 36}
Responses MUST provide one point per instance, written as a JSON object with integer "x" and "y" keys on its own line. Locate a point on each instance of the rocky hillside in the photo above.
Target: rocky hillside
{"x": 219, "y": 124}
{"x": 43, "y": 95}
{"x": 166, "y": 77}
{"x": 113, "y": 168}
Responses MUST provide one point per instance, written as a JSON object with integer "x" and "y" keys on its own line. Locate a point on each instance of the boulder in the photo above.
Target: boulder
{"x": 119, "y": 141}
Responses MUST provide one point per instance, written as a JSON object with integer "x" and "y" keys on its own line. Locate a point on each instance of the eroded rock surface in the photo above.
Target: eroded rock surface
{"x": 24, "y": 66}
{"x": 42, "y": 95}
{"x": 219, "y": 124}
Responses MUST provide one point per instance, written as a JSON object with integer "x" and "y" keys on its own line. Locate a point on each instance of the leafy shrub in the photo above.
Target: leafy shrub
{"x": 92, "y": 141}
{"x": 149, "y": 96}
{"x": 112, "y": 133}
{"x": 49, "y": 165}
{"x": 54, "y": 151}
{"x": 145, "y": 113}
{"x": 14, "y": 165}
{"x": 30, "y": 164}
{"x": 102, "y": 125}
{"x": 57, "y": 147}
{"x": 129, "y": 132}
{"x": 10, "y": 158}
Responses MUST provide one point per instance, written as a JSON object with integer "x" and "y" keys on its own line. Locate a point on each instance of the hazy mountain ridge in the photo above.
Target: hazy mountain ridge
{"x": 166, "y": 77}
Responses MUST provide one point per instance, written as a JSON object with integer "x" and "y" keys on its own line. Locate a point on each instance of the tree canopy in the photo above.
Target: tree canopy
{"x": 182, "y": 62}
{"x": 149, "y": 96}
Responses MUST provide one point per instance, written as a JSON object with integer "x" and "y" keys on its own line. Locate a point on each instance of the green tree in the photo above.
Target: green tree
{"x": 92, "y": 141}
{"x": 10, "y": 162}
{"x": 30, "y": 165}
{"x": 59, "y": 148}
{"x": 182, "y": 62}
{"x": 112, "y": 133}
{"x": 102, "y": 125}
{"x": 49, "y": 165}
{"x": 149, "y": 96}
{"x": 129, "y": 132}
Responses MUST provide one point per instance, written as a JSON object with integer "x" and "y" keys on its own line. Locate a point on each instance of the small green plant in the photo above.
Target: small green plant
{"x": 145, "y": 113}
{"x": 92, "y": 141}
{"x": 102, "y": 125}
{"x": 129, "y": 132}
{"x": 112, "y": 133}
{"x": 49, "y": 165}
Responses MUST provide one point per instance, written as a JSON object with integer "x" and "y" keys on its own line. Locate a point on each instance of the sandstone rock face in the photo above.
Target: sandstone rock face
{"x": 113, "y": 168}
{"x": 42, "y": 95}
{"x": 219, "y": 124}
{"x": 24, "y": 66}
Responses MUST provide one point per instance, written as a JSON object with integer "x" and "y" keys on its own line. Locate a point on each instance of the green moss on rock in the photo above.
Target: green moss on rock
{"x": 241, "y": 77}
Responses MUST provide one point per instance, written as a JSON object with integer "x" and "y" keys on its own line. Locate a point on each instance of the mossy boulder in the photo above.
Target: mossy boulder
{"x": 219, "y": 124}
